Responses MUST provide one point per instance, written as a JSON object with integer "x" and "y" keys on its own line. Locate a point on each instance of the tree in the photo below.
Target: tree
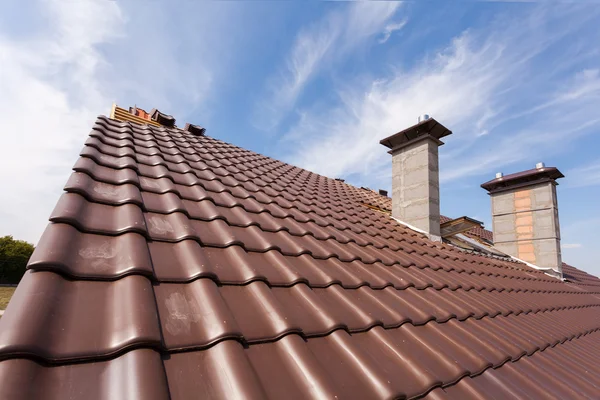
{"x": 14, "y": 255}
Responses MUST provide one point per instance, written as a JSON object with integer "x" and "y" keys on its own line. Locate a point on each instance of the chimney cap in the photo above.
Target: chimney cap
{"x": 423, "y": 117}
{"x": 383, "y": 192}
{"x": 499, "y": 175}
{"x": 528, "y": 177}
{"x": 540, "y": 165}
{"x": 427, "y": 128}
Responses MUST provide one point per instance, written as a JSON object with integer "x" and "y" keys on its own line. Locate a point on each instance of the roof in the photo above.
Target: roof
{"x": 178, "y": 265}
{"x": 384, "y": 203}
{"x": 543, "y": 174}
{"x": 580, "y": 278}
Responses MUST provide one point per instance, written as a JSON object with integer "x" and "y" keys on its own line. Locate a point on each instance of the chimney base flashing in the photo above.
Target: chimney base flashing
{"x": 432, "y": 237}
{"x": 548, "y": 271}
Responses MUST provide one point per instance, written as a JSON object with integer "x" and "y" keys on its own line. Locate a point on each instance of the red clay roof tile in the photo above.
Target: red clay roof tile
{"x": 135, "y": 374}
{"x": 79, "y": 320}
{"x": 178, "y": 265}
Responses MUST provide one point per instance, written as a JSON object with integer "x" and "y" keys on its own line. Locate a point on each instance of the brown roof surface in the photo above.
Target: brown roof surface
{"x": 180, "y": 266}
{"x": 374, "y": 199}
{"x": 581, "y": 278}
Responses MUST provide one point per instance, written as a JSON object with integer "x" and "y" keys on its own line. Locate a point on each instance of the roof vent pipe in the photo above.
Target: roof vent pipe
{"x": 423, "y": 117}
{"x": 499, "y": 175}
{"x": 540, "y": 165}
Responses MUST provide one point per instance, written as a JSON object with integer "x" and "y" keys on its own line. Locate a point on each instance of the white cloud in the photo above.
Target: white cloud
{"x": 55, "y": 80}
{"x": 326, "y": 41}
{"x": 580, "y": 242}
{"x": 588, "y": 175}
{"x": 49, "y": 99}
{"x": 450, "y": 87}
{"x": 474, "y": 86}
{"x": 391, "y": 28}
{"x": 585, "y": 85}
{"x": 307, "y": 54}
{"x": 511, "y": 148}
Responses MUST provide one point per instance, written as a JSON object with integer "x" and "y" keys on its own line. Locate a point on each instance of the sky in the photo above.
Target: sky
{"x": 316, "y": 85}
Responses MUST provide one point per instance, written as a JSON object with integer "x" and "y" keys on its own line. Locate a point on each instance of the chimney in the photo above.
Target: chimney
{"x": 415, "y": 174}
{"x": 525, "y": 216}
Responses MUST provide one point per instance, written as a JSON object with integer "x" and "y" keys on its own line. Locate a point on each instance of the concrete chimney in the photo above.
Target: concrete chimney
{"x": 525, "y": 216}
{"x": 415, "y": 174}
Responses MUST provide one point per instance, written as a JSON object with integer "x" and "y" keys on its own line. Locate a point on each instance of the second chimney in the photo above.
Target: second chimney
{"x": 415, "y": 174}
{"x": 525, "y": 216}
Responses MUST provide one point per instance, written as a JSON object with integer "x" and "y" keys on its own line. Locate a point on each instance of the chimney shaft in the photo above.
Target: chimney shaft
{"x": 415, "y": 174}
{"x": 525, "y": 216}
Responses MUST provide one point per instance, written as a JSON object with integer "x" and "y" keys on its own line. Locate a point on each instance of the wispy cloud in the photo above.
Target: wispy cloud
{"x": 580, "y": 243}
{"x": 391, "y": 28}
{"x": 325, "y": 42}
{"x": 58, "y": 77}
{"x": 50, "y": 92}
{"x": 306, "y": 57}
{"x": 476, "y": 85}
{"x": 588, "y": 175}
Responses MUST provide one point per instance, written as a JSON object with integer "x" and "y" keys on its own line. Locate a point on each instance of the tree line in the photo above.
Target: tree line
{"x": 14, "y": 255}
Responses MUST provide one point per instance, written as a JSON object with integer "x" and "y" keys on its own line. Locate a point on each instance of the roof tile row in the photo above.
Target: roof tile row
{"x": 109, "y": 257}
{"x": 561, "y": 372}
{"x": 105, "y": 317}
{"x": 360, "y": 365}
{"x": 178, "y": 264}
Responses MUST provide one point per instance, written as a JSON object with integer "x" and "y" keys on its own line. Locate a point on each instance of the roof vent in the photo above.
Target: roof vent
{"x": 459, "y": 225}
{"x": 383, "y": 192}
{"x": 423, "y": 117}
{"x": 162, "y": 118}
{"x": 540, "y": 165}
{"x": 195, "y": 129}
{"x": 499, "y": 175}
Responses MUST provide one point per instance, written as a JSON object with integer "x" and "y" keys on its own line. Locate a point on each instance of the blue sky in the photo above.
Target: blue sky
{"x": 314, "y": 84}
